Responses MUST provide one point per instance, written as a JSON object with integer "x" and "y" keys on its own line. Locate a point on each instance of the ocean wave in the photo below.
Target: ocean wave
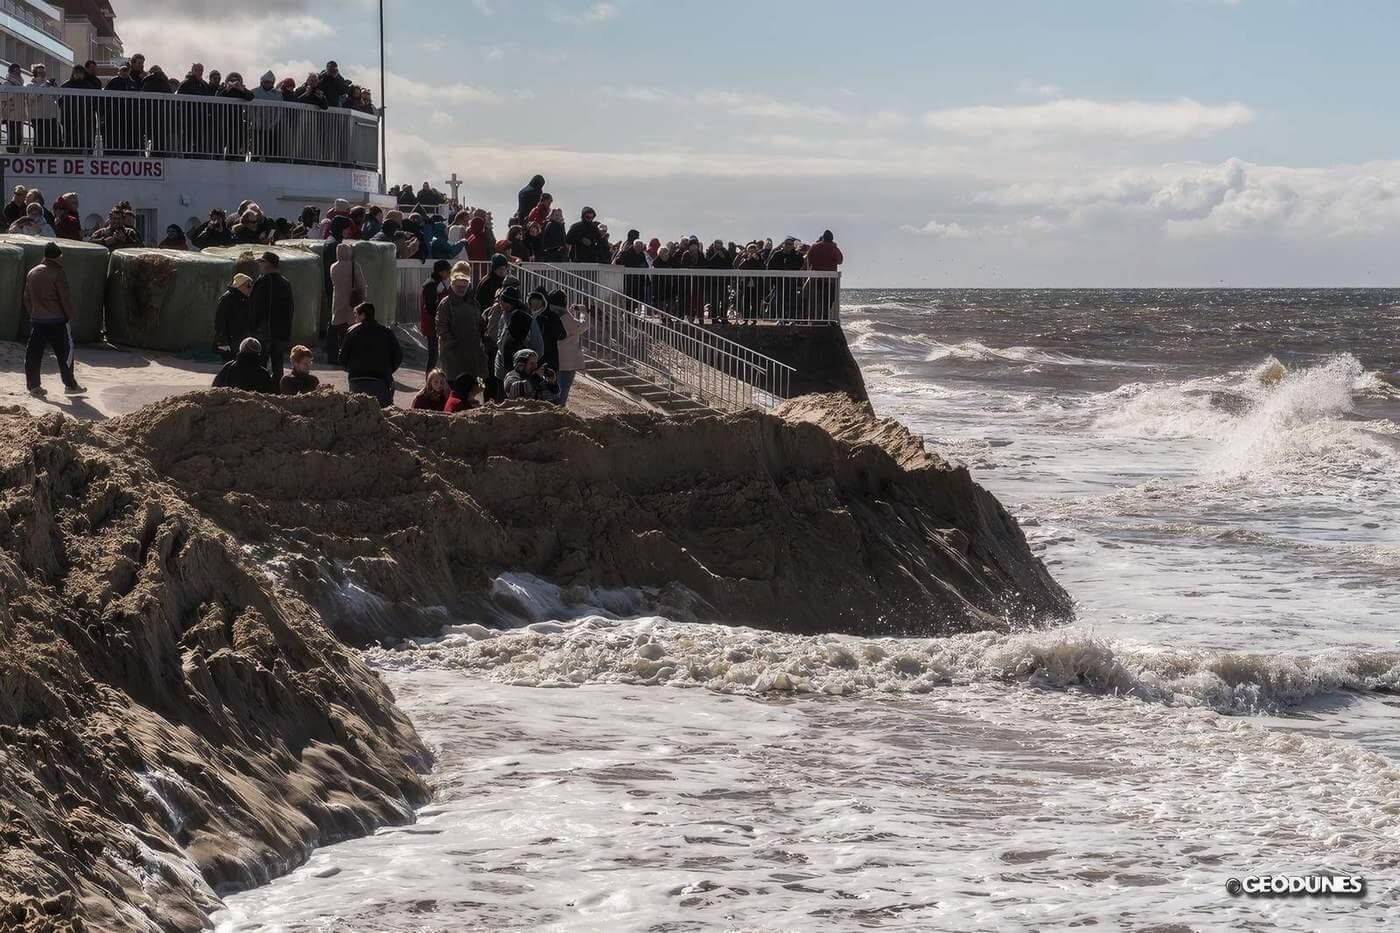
{"x": 978, "y": 352}
{"x": 562, "y": 648}
{"x": 1264, "y": 420}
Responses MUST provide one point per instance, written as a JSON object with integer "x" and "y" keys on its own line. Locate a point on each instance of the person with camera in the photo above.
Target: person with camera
{"x": 528, "y": 379}
{"x": 213, "y": 232}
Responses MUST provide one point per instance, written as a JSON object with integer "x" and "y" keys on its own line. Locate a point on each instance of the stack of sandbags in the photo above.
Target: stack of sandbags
{"x": 86, "y": 267}
{"x": 11, "y": 287}
{"x": 301, "y": 269}
{"x": 161, "y": 299}
{"x": 380, "y": 264}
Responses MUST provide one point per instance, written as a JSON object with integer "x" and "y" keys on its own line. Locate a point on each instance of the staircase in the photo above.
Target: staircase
{"x": 666, "y": 361}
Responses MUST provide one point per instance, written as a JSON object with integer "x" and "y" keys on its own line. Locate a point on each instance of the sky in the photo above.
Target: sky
{"x": 1013, "y": 143}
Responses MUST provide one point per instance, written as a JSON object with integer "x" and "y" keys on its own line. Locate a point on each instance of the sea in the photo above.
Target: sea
{"x": 1213, "y": 475}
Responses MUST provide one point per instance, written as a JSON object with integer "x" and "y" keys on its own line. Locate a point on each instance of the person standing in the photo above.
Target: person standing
{"x": 824, "y": 256}
{"x": 462, "y": 354}
{"x": 371, "y": 354}
{"x": 528, "y": 197}
{"x": 570, "y": 347}
{"x": 347, "y": 291}
{"x": 273, "y": 305}
{"x": 232, "y": 317}
{"x": 50, "y": 314}
{"x": 429, "y": 298}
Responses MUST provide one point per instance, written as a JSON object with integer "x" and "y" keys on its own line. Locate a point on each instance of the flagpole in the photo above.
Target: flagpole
{"x": 383, "y": 135}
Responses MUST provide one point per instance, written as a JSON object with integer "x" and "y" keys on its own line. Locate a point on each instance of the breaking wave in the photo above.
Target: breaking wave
{"x": 565, "y": 646}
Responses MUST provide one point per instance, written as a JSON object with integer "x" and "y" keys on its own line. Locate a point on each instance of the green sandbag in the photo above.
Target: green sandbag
{"x": 315, "y": 248}
{"x": 86, "y": 267}
{"x": 380, "y": 262}
{"x": 162, "y": 299}
{"x": 300, "y": 269}
{"x": 11, "y": 287}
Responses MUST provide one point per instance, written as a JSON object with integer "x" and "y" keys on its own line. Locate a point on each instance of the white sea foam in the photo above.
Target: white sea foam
{"x": 592, "y": 649}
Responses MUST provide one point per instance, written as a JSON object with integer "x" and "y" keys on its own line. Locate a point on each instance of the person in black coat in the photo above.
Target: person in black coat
{"x": 371, "y": 355}
{"x": 246, "y": 370}
{"x": 273, "y": 306}
{"x": 585, "y": 237}
{"x": 233, "y": 318}
{"x": 334, "y": 85}
{"x": 194, "y": 82}
{"x": 528, "y": 197}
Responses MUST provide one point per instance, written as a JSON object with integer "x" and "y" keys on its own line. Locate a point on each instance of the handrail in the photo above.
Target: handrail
{"x": 663, "y": 349}
{"x": 81, "y": 121}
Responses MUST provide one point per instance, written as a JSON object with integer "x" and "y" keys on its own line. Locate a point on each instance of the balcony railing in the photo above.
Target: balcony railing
{"x": 68, "y": 121}
{"x": 26, "y": 14}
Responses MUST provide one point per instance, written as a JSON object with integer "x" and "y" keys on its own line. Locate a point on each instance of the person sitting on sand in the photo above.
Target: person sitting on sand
{"x": 233, "y": 317}
{"x": 529, "y": 380}
{"x": 246, "y": 371}
{"x": 299, "y": 380}
{"x": 433, "y": 396}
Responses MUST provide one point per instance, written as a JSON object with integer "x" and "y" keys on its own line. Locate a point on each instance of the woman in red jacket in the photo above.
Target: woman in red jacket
{"x": 66, "y": 222}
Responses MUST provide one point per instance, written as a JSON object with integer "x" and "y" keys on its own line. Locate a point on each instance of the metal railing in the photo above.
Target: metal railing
{"x": 664, "y": 350}
{"x": 72, "y": 121}
{"x": 738, "y": 295}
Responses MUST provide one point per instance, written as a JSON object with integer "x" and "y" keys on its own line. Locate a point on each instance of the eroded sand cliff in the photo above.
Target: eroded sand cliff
{"x": 171, "y": 696}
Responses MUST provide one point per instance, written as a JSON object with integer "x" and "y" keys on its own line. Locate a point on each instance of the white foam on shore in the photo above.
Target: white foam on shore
{"x": 594, "y": 649}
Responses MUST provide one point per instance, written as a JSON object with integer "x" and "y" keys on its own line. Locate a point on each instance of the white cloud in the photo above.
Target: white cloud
{"x": 757, "y": 105}
{"x": 887, "y": 120}
{"x": 174, "y": 41}
{"x": 597, "y": 13}
{"x": 940, "y": 230}
{"x": 1180, "y": 119}
{"x": 484, "y": 7}
{"x": 1038, "y": 90}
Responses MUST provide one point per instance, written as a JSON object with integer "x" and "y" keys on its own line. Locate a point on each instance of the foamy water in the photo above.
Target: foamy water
{"x": 1216, "y": 479}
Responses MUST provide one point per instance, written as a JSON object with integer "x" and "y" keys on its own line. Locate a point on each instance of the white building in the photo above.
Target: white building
{"x": 31, "y": 32}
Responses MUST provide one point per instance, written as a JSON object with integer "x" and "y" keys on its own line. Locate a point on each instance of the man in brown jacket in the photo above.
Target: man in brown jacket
{"x": 50, "y": 310}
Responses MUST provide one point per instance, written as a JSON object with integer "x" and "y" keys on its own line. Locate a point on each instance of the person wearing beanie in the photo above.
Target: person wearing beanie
{"x": 246, "y": 371}
{"x": 529, "y": 380}
{"x": 516, "y": 332}
{"x": 492, "y": 281}
{"x": 50, "y": 306}
{"x": 432, "y": 293}
{"x": 820, "y": 294}
{"x": 233, "y": 320}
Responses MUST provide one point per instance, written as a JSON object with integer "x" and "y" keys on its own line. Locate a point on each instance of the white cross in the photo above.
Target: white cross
{"x": 455, "y": 183}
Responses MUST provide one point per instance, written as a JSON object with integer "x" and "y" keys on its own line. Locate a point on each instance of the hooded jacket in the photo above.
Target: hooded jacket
{"x": 346, "y": 277}
{"x": 824, "y": 256}
{"x": 585, "y": 240}
{"x": 478, "y": 242}
{"x": 439, "y": 246}
{"x": 528, "y": 197}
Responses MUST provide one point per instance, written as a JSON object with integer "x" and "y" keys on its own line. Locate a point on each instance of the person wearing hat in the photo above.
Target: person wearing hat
{"x": 233, "y": 317}
{"x": 50, "y": 309}
{"x": 430, "y": 297}
{"x": 493, "y": 280}
{"x": 493, "y": 327}
{"x": 461, "y": 352}
{"x": 267, "y": 120}
{"x": 246, "y": 371}
{"x": 786, "y": 258}
{"x": 569, "y": 347}
{"x": 528, "y": 380}
{"x": 273, "y": 307}
{"x": 515, "y": 334}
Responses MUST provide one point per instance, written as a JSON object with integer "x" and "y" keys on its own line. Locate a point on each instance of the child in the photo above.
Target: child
{"x": 466, "y": 393}
{"x": 433, "y": 397}
{"x": 299, "y": 380}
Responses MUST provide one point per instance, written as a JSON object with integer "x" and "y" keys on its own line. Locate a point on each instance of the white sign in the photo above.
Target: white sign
{"x": 364, "y": 181}
{"x": 81, "y": 167}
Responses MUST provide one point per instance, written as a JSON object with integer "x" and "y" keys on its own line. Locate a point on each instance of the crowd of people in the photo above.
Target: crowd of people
{"x": 70, "y": 122}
